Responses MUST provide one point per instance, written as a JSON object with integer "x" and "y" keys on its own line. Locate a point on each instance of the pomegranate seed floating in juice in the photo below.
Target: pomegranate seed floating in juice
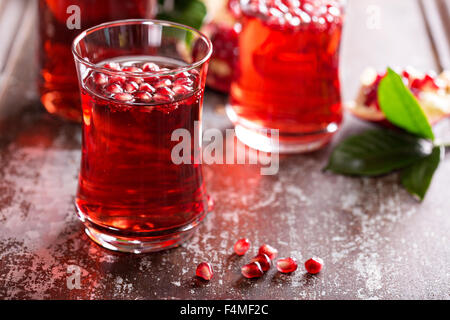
{"x": 58, "y": 81}
{"x": 132, "y": 195}
{"x": 288, "y": 74}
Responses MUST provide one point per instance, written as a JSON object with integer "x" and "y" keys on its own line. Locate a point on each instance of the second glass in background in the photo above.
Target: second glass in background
{"x": 287, "y": 77}
{"x": 58, "y": 26}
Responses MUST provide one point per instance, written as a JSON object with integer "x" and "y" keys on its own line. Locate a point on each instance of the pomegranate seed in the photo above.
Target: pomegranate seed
{"x": 287, "y": 265}
{"x": 204, "y": 271}
{"x": 270, "y": 251}
{"x": 163, "y": 83}
{"x": 165, "y": 91}
{"x": 152, "y": 80}
{"x": 130, "y": 86}
{"x": 194, "y": 72}
{"x": 264, "y": 261}
{"x": 314, "y": 265}
{"x": 241, "y": 246}
{"x": 183, "y": 82}
{"x": 143, "y": 96}
{"x": 150, "y": 67}
{"x": 100, "y": 79}
{"x": 112, "y": 66}
{"x": 124, "y": 97}
{"x": 146, "y": 87}
{"x": 117, "y": 79}
{"x": 162, "y": 98}
{"x": 252, "y": 270}
{"x": 132, "y": 69}
{"x": 428, "y": 83}
{"x": 182, "y": 75}
{"x": 405, "y": 74}
{"x": 181, "y": 90}
{"x": 167, "y": 76}
{"x": 114, "y": 88}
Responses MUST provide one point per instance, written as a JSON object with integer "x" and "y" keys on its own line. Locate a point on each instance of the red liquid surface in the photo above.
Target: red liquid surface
{"x": 128, "y": 182}
{"x": 58, "y": 83}
{"x": 288, "y": 77}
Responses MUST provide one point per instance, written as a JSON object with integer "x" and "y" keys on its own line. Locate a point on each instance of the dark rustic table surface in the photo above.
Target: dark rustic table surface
{"x": 376, "y": 240}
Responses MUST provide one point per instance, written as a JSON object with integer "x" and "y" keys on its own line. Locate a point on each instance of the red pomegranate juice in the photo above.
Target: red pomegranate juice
{"x": 128, "y": 183}
{"x": 288, "y": 73}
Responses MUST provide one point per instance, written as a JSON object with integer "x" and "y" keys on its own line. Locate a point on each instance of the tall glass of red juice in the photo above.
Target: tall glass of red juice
{"x": 139, "y": 85}
{"x": 287, "y": 77}
{"x": 60, "y": 21}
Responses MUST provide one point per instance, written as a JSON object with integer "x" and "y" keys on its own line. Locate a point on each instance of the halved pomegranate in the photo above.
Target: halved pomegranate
{"x": 432, "y": 93}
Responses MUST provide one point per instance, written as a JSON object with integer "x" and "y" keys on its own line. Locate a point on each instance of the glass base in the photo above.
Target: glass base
{"x": 150, "y": 242}
{"x": 258, "y": 139}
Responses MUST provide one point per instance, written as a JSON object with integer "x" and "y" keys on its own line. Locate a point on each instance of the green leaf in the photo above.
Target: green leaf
{"x": 377, "y": 152}
{"x": 401, "y": 107}
{"x": 188, "y": 12}
{"x": 417, "y": 178}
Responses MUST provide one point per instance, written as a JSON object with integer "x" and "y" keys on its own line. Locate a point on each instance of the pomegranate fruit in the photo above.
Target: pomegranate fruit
{"x": 204, "y": 271}
{"x": 314, "y": 265}
{"x": 241, "y": 246}
{"x": 432, "y": 93}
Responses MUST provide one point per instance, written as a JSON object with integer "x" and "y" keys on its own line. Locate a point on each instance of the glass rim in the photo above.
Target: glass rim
{"x": 105, "y": 25}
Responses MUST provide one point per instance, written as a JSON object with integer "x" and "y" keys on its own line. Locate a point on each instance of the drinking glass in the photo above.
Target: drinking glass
{"x": 139, "y": 84}
{"x": 287, "y": 76}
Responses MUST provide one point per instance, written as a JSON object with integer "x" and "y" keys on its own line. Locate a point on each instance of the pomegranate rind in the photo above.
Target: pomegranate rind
{"x": 435, "y": 102}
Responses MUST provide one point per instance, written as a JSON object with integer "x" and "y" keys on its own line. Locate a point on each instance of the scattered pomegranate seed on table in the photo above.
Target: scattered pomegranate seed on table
{"x": 241, "y": 246}
{"x": 204, "y": 271}
{"x": 263, "y": 260}
{"x": 252, "y": 270}
{"x": 314, "y": 265}
{"x": 287, "y": 265}
{"x": 270, "y": 251}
